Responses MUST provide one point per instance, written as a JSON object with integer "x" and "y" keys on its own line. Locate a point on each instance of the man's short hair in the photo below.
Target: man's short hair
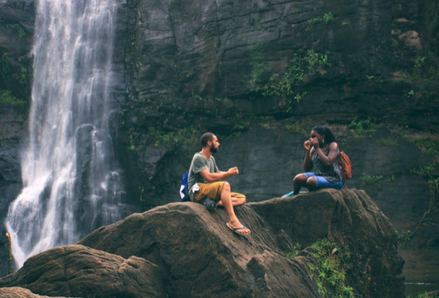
{"x": 208, "y": 136}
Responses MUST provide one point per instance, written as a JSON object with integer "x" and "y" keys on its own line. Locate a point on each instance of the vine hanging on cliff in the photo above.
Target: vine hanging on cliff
{"x": 287, "y": 85}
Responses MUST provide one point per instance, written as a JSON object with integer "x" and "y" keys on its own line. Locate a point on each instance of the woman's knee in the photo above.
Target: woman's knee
{"x": 311, "y": 183}
{"x": 300, "y": 178}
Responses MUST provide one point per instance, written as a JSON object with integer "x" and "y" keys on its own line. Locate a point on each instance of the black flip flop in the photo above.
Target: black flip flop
{"x": 235, "y": 230}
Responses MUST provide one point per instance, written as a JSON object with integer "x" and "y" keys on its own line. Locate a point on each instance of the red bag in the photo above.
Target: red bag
{"x": 345, "y": 165}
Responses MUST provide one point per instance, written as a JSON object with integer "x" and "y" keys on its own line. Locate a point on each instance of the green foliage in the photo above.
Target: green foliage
{"x": 7, "y": 97}
{"x": 426, "y": 295}
{"x": 423, "y": 70}
{"x": 294, "y": 249}
{"x": 371, "y": 180}
{"x": 404, "y": 237}
{"x": 286, "y": 85}
{"x": 426, "y": 142}
{"x": 425, "y": 170}
{"x": 14, "y": 78}
{"x": 330, "y": 271}
{"x": 18, "y": 29}
{"x": 391, "y": 178}
{"x": 327, "y": 17}
{"x": 362, "y": 126}
{"x": 132, "y": 146}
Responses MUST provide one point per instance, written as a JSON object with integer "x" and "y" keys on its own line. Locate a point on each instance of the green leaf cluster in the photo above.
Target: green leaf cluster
{"x": 330, "y": 270}
{"x": 327, "y": 17}
{"x": 286, "y": 85}
{"x": 362, "y": 126}
{"x": 371, "y": 180}
{"x": 7, "y": 97}
{"x": 18, "y": 29}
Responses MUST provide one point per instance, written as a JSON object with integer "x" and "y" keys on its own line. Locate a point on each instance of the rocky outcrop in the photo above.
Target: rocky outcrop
{"x": 182, "y": 250}
{"x": 17, "y": 292}
{"x": 81, "y": 271}
{"x": 342, "y": 216}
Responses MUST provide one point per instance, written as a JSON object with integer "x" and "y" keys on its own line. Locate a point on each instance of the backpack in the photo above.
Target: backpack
{"x": 345, "y": 165}
{"x": 183, "y": 188}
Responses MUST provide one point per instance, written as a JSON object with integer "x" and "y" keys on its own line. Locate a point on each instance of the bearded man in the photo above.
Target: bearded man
{"x": 205, "y": 181}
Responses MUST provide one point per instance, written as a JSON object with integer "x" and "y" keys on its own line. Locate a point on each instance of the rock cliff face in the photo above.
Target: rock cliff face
{"x": 16, "y": 31}
{"x": 186, "y": 67}
{"x": 372, "y": 65}
{"x": 182, "y": 250}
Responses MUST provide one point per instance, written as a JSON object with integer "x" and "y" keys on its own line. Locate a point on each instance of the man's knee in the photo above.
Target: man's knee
{"x": 226, "y": 187}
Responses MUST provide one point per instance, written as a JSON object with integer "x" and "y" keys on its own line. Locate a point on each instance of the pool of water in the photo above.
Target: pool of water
{"x": 413, "y": 289}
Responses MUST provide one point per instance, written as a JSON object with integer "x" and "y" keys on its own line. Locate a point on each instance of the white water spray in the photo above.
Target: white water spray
{"x": 71, "y": 185}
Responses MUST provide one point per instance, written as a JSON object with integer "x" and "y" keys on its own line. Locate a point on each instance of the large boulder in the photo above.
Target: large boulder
{"x": 17, "y": 292}
{"x": 81, "y": 271}
{"x": 182, "y": 250}
{"x": 353, "y": 220}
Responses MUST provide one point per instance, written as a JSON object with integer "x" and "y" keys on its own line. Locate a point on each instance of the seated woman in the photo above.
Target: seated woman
{"x": 321, "y": 154}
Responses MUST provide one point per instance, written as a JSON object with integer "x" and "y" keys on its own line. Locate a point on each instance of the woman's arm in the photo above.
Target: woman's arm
{"x": 332, "y": 155}
{"x": 307, "y": 163}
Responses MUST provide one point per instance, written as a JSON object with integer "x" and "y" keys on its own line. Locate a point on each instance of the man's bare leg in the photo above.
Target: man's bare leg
{"x": 236, "y": 201}
{"x": 226, "y": 200}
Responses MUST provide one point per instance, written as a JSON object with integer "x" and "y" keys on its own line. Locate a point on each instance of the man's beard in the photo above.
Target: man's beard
{"x": 213, "y": 150}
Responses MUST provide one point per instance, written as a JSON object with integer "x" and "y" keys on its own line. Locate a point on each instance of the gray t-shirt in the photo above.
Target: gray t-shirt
{"x": 199, "y": 163}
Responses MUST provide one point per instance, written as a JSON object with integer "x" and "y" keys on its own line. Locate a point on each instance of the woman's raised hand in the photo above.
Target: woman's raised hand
{"x": 307, "y": 145}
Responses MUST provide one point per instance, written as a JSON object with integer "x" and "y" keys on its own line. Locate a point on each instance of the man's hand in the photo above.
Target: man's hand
{"x": 233, "y": 171}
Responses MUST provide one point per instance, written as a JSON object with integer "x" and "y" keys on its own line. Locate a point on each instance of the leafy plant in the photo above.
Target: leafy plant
{"x": 7, "y": 97}
{"x": 426, "y": 142}
{"x": 404, "y": 237}
{"x": 371, "y": 180}
{"x": 286, "y": 85}
{"x": 18, "y": 29}
{"x": 362, "y": 126}
{"x": 425, "y": 170}
{"x": 330, "y": 270}
{"x": 327, "y": 17}
{"x": 294, "y": 249}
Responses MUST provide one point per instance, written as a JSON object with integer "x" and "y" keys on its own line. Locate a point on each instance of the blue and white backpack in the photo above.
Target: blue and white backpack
{"x": 183, "y": 188}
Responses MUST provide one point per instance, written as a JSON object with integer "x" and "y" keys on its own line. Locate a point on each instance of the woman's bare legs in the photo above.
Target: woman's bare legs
{"x": 302, "y": 181}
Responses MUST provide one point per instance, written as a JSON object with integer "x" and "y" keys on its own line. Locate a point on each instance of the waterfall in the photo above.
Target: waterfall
{"x": 71, "y": 184}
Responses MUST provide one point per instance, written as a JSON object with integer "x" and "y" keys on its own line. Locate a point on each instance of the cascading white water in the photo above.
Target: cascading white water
{"x": 71, "y": 185}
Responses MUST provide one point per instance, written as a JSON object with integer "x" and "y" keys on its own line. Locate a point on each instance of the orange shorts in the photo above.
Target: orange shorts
{"x": 213, "y": 191}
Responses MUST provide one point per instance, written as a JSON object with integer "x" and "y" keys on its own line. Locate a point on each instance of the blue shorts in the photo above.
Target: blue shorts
{"x": 323, "y": 183}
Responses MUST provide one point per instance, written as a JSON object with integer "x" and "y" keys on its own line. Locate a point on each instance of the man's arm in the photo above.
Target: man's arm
{"x": 218, "y": 176}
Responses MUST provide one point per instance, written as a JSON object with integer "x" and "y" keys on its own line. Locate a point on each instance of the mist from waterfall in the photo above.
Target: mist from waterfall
{"x": 71, "y": 182}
